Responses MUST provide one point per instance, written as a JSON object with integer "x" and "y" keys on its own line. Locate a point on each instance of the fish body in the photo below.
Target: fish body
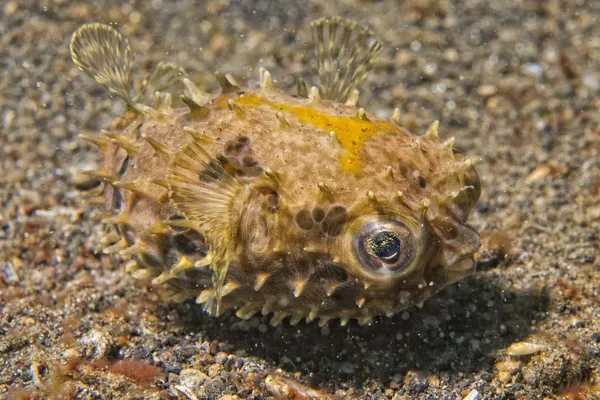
{"x": 255, "y": 200}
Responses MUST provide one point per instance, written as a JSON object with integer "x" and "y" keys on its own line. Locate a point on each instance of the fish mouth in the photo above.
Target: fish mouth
{"x": 463, "y": 265}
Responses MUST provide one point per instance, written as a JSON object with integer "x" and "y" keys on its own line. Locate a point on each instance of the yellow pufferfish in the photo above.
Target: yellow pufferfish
{"x": 303, "y": 206}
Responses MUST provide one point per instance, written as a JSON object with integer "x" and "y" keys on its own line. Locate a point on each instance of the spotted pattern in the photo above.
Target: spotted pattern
{"x": 240, "y": 159}
{"x": 330, "y": 223}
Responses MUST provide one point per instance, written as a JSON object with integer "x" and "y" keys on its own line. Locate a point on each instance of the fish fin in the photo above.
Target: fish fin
{"x": 207, "y": 195}
{"x": 103, "y": 53}
{"x": 165, "y": 77}
{"x": 344, "y": 52}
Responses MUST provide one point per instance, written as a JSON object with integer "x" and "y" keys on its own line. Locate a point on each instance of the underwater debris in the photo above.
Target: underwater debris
{"x": 248, "y": 202}
{"x": 284, "y": 388}
{"x": 140, "y": 372}
{"x": 524, "y": 348}
{"x": 551, "y": 168}
{"x": 473, "y": 395}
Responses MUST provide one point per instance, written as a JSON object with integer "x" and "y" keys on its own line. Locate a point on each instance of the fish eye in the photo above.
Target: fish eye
{"x": 384, "y": 246}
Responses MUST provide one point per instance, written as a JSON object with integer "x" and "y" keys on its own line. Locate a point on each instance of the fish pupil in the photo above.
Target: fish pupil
{"x": 386, "y": 246}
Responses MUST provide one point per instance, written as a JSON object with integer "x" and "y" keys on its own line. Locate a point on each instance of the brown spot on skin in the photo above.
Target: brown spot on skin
{"x": 235, "y": 147}
{"x": 242, "y": 140}
{"x": 248, "y": 161}
{"x": 335, "y": 218}
{"x": 304, "y": 219}
{"x": 240, "y": 160}
{"x": 404, "y": 169}
{"x": 228, "y": 147}
{"x": 251, "y": 171}
{"x": 318, "y": 214}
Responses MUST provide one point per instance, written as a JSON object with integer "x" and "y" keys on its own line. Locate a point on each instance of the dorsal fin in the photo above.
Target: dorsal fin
{"x": 165, "y": 77}
{"x": 206, "y": 194}
{"x": 104, "y": 54}
{"x": 344, "y": 52}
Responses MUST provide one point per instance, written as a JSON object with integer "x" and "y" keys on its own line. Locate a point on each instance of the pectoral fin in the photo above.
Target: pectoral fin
{"x": 206, "y": 194}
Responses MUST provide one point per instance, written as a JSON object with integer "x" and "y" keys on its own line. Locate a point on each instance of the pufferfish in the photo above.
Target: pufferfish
{"x": 253, "y": 200}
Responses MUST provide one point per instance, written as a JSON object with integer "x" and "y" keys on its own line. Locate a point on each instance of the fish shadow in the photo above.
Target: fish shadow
{"x": 459, "y": 330}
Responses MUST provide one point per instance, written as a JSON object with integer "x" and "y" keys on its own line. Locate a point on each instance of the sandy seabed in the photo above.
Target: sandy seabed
{"x": 516, "y": 82}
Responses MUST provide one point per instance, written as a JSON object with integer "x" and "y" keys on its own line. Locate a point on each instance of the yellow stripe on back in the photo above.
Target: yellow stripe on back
{"x": 350, "y": 131}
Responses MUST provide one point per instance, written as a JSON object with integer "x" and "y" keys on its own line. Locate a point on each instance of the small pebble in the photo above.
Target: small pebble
{"x": 473, "y": 395}
{"x": 192, "y": 379}
{"x": 95, "y": 344}
{"x": 487, "y": 90}
{"x": 524, "y": 348}
{"x": 221, "y": 357}
{"x": 214, "y": 370}
{"x": 533, "y": 69}
{"x": 214, "y": 388}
